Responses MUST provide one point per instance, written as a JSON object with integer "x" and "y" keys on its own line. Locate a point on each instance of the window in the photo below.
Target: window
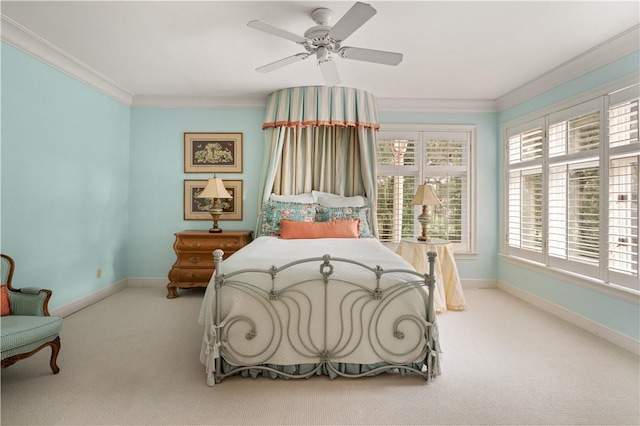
{"x": 572, "y": 196}
{"x": 411, "y": 155}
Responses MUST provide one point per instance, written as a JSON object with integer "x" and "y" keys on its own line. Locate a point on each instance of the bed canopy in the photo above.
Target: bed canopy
{"x": 320, "y": 138}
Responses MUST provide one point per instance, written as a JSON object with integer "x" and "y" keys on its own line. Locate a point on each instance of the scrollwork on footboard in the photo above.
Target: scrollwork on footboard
{"x": 322, "y": 312}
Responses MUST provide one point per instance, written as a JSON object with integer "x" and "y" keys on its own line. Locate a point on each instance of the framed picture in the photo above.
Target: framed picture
{"x": 198, "y": 208}
{"x": 213, "y": 152}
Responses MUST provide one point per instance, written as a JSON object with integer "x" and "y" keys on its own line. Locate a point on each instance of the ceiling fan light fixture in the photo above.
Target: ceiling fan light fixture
{"x": 323, "y": 54}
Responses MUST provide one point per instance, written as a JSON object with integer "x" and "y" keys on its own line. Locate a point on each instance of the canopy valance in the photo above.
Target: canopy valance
{"x": 321, "y": 106}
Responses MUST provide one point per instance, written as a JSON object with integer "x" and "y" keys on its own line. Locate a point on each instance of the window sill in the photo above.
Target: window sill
{"x": 580, "y": 280}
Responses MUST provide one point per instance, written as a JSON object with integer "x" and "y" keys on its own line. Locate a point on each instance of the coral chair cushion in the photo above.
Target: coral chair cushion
{"x": 6, "y": 305}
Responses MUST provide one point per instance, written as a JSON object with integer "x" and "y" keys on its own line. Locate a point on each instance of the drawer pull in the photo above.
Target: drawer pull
{"x": 194, "y": 259}
{"x": 195, "y": 245}
{"x": 194, "y": 275}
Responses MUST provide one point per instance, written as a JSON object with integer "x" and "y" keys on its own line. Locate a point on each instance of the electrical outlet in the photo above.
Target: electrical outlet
{"x": 99, "y": 273}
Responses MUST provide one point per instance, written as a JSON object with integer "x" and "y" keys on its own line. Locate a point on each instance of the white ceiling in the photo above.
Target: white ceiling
{"x": 452, "y": 50}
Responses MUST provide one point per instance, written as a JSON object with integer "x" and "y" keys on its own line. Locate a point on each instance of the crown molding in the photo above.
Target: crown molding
{"x": 615, "y": 48}
{"x": 21, "y": 38}
{"x": 384, "y": 104}
{"x": 157, "y": 101}
{"x": 437, "y": 105}
{"x": 602, "y": 54}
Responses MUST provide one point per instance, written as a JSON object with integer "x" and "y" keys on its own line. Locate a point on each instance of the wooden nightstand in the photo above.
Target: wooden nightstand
{"x": 194, "y": 250}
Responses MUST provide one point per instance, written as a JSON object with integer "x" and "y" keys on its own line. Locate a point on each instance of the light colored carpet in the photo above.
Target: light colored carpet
{"x": 133, "y": 359}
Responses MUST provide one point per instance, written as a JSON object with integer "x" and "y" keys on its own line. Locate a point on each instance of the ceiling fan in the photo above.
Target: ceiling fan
{"x": 324, "y": 41}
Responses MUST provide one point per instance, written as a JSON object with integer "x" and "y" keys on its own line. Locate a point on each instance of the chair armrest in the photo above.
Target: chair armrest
{"x": 30, "y": 301}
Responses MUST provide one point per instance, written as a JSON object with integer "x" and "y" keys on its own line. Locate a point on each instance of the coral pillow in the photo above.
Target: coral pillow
{"x": 6, "y": 305}
{"x": 291, "y": 230}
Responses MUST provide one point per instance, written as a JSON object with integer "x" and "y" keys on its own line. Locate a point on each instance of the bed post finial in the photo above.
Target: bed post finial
{"x": 217, "y": 255}
{"x": 217, "y": 260}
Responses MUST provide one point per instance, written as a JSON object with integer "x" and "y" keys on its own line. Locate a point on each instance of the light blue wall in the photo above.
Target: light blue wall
{"x": 484, "y": 266}
{"x": 610, "y": 311}
{"x": 157, "y": 176}
{"x": 64, "y": 180}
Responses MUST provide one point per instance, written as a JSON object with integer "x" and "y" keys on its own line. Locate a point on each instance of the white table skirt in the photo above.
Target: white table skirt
{"x": 449, "y": 294}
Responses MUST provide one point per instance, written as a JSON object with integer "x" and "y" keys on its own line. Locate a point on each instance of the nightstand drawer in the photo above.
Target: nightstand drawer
{"x": 230, "y": 245}
{"x": 226, "y": 243}
{"x": 195, "y": 259}
{"x": 198, "y": 275}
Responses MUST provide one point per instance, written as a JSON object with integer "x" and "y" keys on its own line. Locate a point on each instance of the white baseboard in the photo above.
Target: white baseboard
{"x": 478, "y": 284}
{"x": 606, "y": 333}
{"x": 147, "y": 282}
{"x": 90, "y": 299}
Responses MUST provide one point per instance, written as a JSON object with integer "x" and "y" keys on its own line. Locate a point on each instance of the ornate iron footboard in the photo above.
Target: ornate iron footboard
{"x": 359, "y": 309}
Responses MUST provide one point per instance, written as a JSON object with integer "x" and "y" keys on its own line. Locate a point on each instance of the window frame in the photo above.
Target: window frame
{"x": 602, "y": 276}
{"x": 419, "y": 172}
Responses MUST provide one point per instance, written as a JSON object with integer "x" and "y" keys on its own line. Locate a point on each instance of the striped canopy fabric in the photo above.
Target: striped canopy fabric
{"x": 321, "y": 106}
{"x": 320, "y": 138}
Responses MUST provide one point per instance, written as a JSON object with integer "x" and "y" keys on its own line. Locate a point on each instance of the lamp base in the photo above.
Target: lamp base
{"x": 216, "y": 212}
{"x": 424, "y": 218}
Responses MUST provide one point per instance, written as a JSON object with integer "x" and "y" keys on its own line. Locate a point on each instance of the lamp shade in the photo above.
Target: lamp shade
{"x": 214, "y": 189}
{"x": 425, "y": 196}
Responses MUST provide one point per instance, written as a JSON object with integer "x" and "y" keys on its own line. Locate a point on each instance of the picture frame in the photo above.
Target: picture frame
{"x": 198, "y": 208}
{"x": 213, "y": 152}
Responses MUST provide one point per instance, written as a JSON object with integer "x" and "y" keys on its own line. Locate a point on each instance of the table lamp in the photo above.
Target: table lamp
{"x": 215, "y": 190}
{"x": 425, "y": 197}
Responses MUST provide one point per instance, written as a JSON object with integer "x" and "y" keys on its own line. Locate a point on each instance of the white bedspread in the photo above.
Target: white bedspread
{"x": 278, "y": 324}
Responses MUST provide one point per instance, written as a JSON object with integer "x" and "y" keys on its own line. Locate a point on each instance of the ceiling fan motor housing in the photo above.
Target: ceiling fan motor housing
{"x": 318, "y": 40}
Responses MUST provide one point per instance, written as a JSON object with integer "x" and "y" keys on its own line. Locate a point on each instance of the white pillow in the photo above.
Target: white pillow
{"x": 328, "y": 199}
{"x": 298, "y": 198}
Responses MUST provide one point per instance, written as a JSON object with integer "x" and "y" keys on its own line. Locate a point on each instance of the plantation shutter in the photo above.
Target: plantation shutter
{"x": 524, "y": 197}
{"x": 574, "y": 188}
{"x": 398, "y": 170}
{"x": 447, "y": 161}
{"x": 439, "y": 156}
{"x": 623, "y": 234}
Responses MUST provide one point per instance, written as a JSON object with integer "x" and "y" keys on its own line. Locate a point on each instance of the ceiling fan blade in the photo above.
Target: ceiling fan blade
{"x": 268, "y": 28}
{"x": 351, "y": 21}
{"x": 282, "y": 62}
{"x": 330, "y": 73}
{"x": 371, "y": 55}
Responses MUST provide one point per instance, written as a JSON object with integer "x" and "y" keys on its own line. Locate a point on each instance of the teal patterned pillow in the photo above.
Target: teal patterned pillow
{"x": 326, "y": 214}
{"x": 274, "y": 211}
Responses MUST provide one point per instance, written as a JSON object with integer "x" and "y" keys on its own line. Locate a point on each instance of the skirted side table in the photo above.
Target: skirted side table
{"x": 449, "y": 294}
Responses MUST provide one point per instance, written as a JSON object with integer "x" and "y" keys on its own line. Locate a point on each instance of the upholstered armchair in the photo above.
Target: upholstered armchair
{"x": 26, "y": 326}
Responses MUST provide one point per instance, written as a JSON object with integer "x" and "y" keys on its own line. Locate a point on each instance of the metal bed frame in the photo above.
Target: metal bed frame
{"x": 321, "y": 353}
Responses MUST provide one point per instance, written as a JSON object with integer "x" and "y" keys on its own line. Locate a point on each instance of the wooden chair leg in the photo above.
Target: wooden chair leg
{"x": 55, "y": 349}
